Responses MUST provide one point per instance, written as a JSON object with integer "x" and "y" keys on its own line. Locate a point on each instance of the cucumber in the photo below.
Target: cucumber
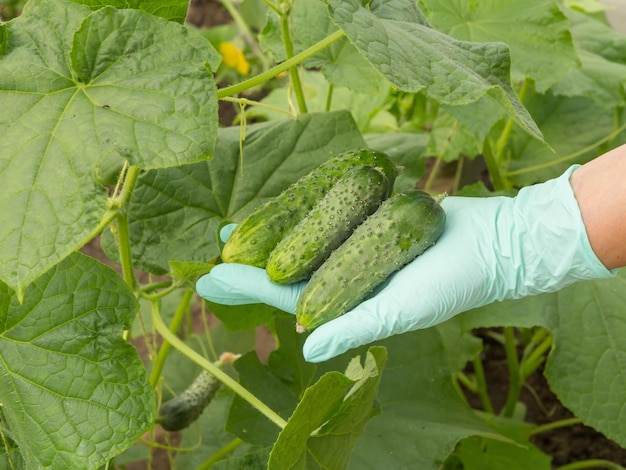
{"x": 401, "y": 229}
{"x": 257, "y": 235}
{"x": 182, "y": 410}
{"x": 357, "y": 194}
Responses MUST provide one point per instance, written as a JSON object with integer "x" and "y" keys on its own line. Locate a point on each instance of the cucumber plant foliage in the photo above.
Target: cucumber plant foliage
{"x": 110, "y": 133}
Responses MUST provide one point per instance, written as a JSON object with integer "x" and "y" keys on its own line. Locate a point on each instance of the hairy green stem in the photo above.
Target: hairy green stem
{"x": 535, "y": 358}
{"x": 121, "y": 219}
{"x": 562, "y": 423}
{"x": 433, "y": 173}
{"x": 293, "y": 71}
{"x": 282, "y": 67}
{"x": 591, "y": 463}
{"x": 216, "y": 371}
{"x": 246, "y": 101}
{"x": 467, "y": 382}
{"x": 155, "y": 286}
{"x": 179, "y": 315}
{"x": 220, "y": 454}
{"x": 329, "y": 97}
{"x": 515, "y": 386}
{"x": 493, "y": 167}
{"x": 458, "y": 173}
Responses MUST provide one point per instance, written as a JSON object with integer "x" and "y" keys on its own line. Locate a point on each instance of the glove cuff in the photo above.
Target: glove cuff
{"x": 553, "y": 249}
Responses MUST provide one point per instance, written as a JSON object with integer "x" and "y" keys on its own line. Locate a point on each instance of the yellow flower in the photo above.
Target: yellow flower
{"x": 233, "y": 57}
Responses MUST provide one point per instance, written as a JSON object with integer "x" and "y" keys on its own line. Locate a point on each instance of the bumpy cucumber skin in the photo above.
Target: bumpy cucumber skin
{"x": 182, "y": 410}
{"x": 356, "y": 195}
{"x": 257, "y": 235}
{"x": 402, "y": 228}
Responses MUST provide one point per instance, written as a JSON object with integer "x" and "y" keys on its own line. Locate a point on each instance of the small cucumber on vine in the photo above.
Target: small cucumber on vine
{"x": 401, "y": 229}
{"x": 185, "y": 408}
{"x": 257, "y": 235}
{"x": 356, "y": 195}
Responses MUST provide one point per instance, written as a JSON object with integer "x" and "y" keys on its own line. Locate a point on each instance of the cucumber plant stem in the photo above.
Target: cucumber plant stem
{"x": 493, "y": 167}
{"x": 282, "y": 67}
{"x": 510, "y": 345}
{"x": 121, "y": 219}
{"x": 555, "y": 425}
{"x": 535, "y": 358}
{"x": 591, "y": 463}
{"x": 216, "y": 371}
{"x": 220, "y": 454}
{"x": 159, "y": 362}
{"x": 481, "y": 384}
{"x": 293, "y": 70}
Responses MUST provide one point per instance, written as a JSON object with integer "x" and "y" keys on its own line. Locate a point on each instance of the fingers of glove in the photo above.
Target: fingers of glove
{"x": 226, "y": 232}
{"x": 238, "y": 284}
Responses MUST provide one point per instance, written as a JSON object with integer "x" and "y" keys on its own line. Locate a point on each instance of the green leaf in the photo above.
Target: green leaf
{"x": 247, "y": 422}
{"x": 280, "y": 384}
{"x": 74, "y": 393}
{"x": 256, "y": 460}
{"x": 479, "y": 453}
{"x": 287, "y": 362}
{"x": 244, "y": 317}
{"x": 587, "y": 366}
{"x": 457, "y": 131}
{"x": 187, "y": 272}
{"x": 536, "y": 31}
{"x": 170, "y": 10}
{"x": 573, "y": 127}
{"x": 422, "y": 416}
{"x": 107, "y": 84}
{"x": 592, "y": 320}
{"x": 603, "y": 65}
{"x": 330, "y": 417}
{"x": 514, "y": 451}
{"x": 413, "y": 56}
{"x": 175, "y": 213}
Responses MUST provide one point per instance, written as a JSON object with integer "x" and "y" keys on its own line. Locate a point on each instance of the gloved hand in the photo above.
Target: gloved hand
{"x": 492, "y": 249}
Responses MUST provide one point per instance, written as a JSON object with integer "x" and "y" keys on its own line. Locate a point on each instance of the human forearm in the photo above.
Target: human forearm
{"x": 600, "y": 190}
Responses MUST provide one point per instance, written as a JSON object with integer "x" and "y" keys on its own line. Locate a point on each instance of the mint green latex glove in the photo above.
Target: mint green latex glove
{"x": 492, "y": 249}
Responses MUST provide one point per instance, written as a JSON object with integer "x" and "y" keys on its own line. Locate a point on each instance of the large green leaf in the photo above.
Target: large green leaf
{"x": 175, "y": 212}
{"x": 422, "y": 418}
{"x": 536, "y": 31}
{"x": 77, "y": 87}
{"x": 572, "y": 126}
{"x": 73, "y": 392}
{"x": 413, "y": 56}
{"x": 587, "y": 366}
{"x": 602, "y": 73}
{"x": 330, "y": 417}
{"x": 170, "y": 10}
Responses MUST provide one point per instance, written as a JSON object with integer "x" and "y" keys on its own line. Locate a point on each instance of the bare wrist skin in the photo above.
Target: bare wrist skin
{"x": 600, "y": 190}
